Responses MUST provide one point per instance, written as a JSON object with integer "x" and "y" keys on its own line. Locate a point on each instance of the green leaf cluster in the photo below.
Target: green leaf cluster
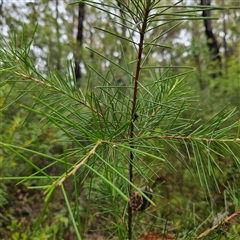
{"x": 121, "y": 134}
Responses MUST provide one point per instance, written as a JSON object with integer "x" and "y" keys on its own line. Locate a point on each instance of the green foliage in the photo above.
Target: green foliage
{"x": 133, "y": 123}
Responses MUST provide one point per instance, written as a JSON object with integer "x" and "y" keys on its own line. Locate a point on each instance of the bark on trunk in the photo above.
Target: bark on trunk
{"x": 77, "y": 68}
{"x": 211, "y": 40}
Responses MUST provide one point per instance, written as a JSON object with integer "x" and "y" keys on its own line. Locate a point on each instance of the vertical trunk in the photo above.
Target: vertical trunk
{"x": 1, "y": 3}
{"x": 211, "y": 40}
{"x": 77, "y": 68}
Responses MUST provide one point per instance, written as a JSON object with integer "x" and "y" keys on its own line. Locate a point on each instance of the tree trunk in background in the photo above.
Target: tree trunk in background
{"x": 212, "y": 41}
{"x": 77, "y": 56}
{"x": 1, "y": 3}
{"x": 224, "y": 38}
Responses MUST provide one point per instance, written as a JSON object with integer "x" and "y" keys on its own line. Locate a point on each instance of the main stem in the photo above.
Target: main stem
{"x": 134, "y": 104}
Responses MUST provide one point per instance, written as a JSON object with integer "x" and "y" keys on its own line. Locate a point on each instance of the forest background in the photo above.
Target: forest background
{"x": 58, "y": 36}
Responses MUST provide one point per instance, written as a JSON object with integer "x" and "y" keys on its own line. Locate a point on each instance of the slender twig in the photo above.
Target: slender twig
{"x": 80, "y": 164}
{"x": 142, "y": 31}
{"x": 132, "y": 15}
{"x": 197, "y": 138}
{"x": 226, "y": 220}
{"x": 190, "y": 138}
{"x": 59, "y": 90}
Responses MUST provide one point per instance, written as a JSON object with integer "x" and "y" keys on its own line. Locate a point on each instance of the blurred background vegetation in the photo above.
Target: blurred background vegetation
{"x": 62, "y": 34}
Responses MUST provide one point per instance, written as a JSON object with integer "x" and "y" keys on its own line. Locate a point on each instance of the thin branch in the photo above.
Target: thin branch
{"x": 80, "y": 164}
{"x": 142, "y": 31}
{"x": 132, "y": 15}
{"x": 181, "y": 138}
{"x": 226, "y": 220}
{"x": 197, "y": 138}
{"x": 59, "y": 90}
